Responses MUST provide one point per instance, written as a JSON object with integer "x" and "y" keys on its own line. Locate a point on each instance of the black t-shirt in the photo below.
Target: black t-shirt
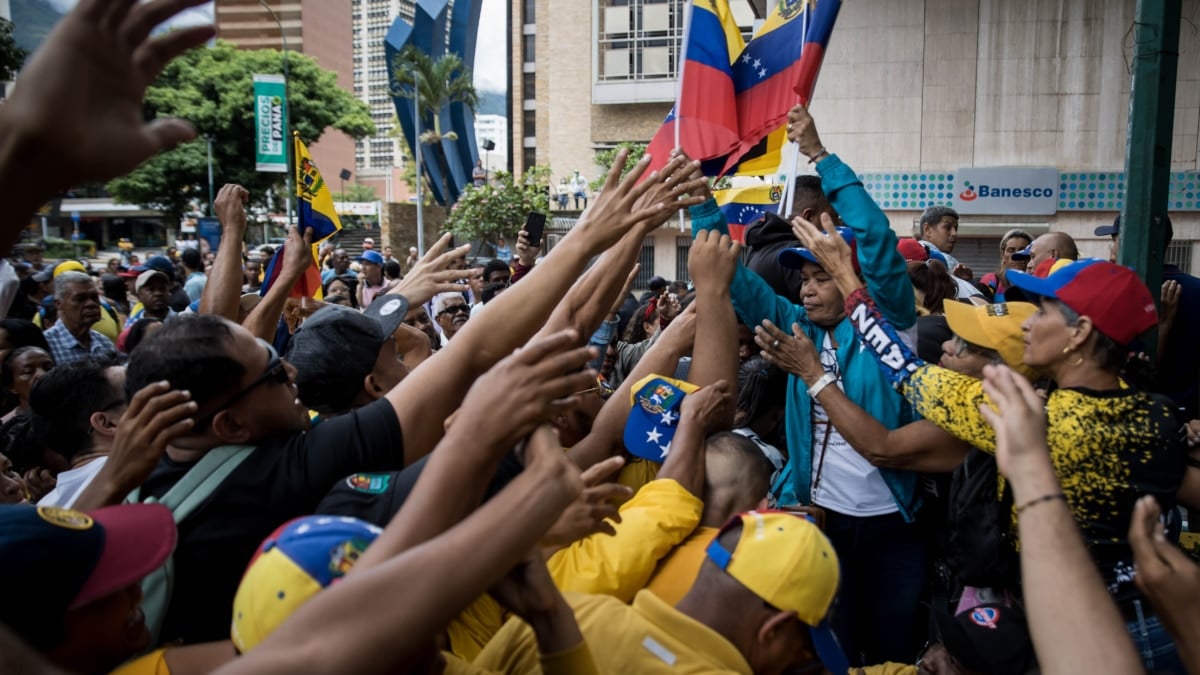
{"x": 376, "y": 497}
{"x": 284, "y": 478}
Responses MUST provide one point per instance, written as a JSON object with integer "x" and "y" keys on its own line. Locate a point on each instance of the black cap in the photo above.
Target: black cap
{"x": 992, "y": 638}
{"x": 657, "y": 283}
{"x": 336, "y": 347}
{"x": 1115, "y": 228}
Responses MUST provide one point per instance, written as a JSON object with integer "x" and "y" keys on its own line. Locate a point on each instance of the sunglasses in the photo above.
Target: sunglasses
{"x": 275, "y": 373}
{"x": 456, "y": 309}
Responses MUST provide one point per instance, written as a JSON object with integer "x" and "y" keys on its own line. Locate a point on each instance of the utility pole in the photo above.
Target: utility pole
{"x": 1148, "y": 142}
{"x": 417, "y": 159}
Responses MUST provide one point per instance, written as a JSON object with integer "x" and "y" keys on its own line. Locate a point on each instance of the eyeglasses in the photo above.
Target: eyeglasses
{"x": 455, "y": 309}
{"x": 275, "y": 372}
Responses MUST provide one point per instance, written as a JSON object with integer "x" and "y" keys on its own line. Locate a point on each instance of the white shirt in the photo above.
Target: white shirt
{"x": 71, "y": 484}
{"x": 965, "y": 288}
{"x": 845, "y": 481}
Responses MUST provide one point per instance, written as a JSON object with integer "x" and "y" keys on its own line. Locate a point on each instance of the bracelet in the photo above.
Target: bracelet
{"x": 1039, "y": 500}
{"x": 815, "y": 158}
{"x": 819, "y": 386}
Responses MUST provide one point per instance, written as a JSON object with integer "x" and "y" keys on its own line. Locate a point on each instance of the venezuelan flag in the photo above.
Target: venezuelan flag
{"x": 307, "y": 286}
{"x": 706, "y": 112}
{"x": 316, "y": 208}
{"x": 780, "y": 64}
{"x": 743, "y": 206}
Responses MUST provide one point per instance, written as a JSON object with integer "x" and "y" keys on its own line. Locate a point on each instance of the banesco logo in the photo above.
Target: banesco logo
{"x": 968, "y": 195}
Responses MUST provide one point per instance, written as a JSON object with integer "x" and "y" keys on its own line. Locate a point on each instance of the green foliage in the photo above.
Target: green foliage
{"x": 213, "y": 88}
{"x": 439, "y": 82}
{"x": 499, "y": 207}
{"x": 354, "y": 193}
{"x": 65, "y": 249}
{"x": 12, "y": 56}
{"x": 605, "y": 159}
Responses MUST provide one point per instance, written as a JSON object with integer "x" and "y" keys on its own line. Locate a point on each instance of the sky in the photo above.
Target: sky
{"x": 491, "y": 73}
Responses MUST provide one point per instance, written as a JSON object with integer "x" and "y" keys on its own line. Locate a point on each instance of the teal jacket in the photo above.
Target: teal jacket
{"x": 887, "y": 280}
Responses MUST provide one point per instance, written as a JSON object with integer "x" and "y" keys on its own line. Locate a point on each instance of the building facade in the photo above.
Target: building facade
{"x": 911, "y": 92}
{"x": 381, "y": 159}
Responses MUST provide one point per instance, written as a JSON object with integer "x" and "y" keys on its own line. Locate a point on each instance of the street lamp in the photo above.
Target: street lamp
{"x": 287, "y": 113}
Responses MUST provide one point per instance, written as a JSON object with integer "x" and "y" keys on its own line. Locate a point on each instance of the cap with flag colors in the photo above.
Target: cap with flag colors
{"x": 655, "y": 416}
{"x": 1112, "y": 296}
{"x": 705, "y": 115}
{"x": 745, "y": 205}
{"x": 292, "y": 565}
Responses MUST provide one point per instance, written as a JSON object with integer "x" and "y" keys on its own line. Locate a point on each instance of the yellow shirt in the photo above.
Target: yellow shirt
{"x": 574, "y": 661}
{"x": 654, "y": 521}
{"x": 646, "y": 638}
{"x": 154, "y": 663}
{"x": 474, "y": 626}
{"x": 678, "y": 571}
{"x": 637, "y": 472}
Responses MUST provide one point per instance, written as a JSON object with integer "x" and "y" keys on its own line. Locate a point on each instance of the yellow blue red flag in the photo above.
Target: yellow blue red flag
{"x": 316, "y": 209}
{"x": 744, "y": 205}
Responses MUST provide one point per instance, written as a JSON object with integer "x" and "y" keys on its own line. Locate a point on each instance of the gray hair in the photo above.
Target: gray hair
{"x": 440, "y": 300}
{"x": 65, "y": 279}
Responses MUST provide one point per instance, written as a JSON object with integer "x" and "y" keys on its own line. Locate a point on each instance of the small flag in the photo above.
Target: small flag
{"x": 316, "y": 209}
{"x": 745, "y": 205}
{"x": 307, "y": 286}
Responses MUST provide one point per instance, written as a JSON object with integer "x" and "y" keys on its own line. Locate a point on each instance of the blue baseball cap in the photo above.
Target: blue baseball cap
{"x": 370, "y": 256}
{"x": 161, "y": 263}
{"x": 1024, "y": 254}
{"x": 794, "y": 258}
{"x": 655, "y": 416}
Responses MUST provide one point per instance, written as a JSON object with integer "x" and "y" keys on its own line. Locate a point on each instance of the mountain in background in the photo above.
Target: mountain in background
{"x": 32, "y": 22}
{"x": 492, "y": 103}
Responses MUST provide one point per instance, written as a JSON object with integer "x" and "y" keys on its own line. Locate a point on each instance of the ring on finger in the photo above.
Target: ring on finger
{"x": 775, "y": 344}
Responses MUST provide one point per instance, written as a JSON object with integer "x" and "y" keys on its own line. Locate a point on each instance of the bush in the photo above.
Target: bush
{"x": 64, "y": 248}
{"x": 499, "y": 208}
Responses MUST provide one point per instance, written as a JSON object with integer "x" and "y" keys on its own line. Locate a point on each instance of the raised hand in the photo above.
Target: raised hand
{"x": 596, "y": 506}
{"x": 713, "y": 259}
{"x": 527, "y": 388}
{"x": 680, "y": 178}
{"x": 80, "y": 103}
{"x": 1169, "y": 300}
{"x": 230, "y": 207}
{"x": 1017, "y": 413}
{"x": 795, "y": 353}
{"x": 708, "y": 405}
{"x": 527, "y": 252}
{"x": 439, "y": 271}
{"x": 828, "y": 246}
{"x": 1168, "y": 577}
{"x": 802, "y": 130}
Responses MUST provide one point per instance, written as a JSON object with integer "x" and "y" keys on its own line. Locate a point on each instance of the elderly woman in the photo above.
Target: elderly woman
{"x": 1109, "y": 444}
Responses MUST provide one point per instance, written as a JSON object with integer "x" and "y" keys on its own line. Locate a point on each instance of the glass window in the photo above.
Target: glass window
{"x": 529, "y": 47}
{"x": 529, "y": 157}
{"x": 529, "y": 85}
{"x": 529, "y": 123}
{"x": 529, "y": 12}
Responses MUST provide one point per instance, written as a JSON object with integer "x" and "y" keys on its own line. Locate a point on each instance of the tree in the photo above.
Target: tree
{"x": 605, "y": 159}
{"x": 438, "y": 83}
{"x": 213, "y": 88}
{"x": 499, "y": 208}
{"x": 12, "y": 56}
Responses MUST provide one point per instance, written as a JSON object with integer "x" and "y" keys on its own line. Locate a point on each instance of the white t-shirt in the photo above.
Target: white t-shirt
{"x": 71, "y": 484}
{"x": 846, "y": 483}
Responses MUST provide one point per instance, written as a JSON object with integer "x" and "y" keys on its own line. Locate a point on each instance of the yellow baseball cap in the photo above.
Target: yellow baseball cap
{"x": 69, "y": 266}
{"x": 786, "y": 560}
{"x": 996, "y": 327}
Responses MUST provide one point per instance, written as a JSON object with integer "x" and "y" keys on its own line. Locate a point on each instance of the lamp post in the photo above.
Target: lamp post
{"x": 209, "y": 139}
{"x": 417, "y": 159}
{"x": 287, "y": 113}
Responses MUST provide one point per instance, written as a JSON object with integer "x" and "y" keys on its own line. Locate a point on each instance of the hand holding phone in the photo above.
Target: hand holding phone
{"x": 535, "y": 224}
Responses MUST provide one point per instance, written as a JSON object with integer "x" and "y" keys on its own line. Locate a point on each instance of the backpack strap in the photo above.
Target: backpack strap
{"x": 191, "y": 492}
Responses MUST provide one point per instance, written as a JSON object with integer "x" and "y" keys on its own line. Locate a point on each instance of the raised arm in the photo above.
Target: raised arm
{"x": 429, "y": 394}
{"x": 438, "y": 271}
{"x": 488, "y": 425}
{"x": 917, "y": 446}
{"x": 883, "y": 267}
{"x": 393, "y": 610}
{"x": 78, "y": 115}
{"x": 1057, "y": 573}
{"x": 224, "y": 288}
{"x": 297, "y": 258}
{"x": 712, "y": 261}
{"x": 609, "y": 426}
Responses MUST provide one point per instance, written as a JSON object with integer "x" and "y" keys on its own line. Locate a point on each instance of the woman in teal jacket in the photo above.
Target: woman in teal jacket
{"x": 869, "y": 510}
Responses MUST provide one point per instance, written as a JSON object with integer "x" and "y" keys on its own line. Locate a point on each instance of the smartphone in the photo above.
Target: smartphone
{"x": 535, "y": 224}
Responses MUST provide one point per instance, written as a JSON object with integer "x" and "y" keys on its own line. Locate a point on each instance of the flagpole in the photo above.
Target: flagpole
{"x": 681, "y": 59}
{"x": 790, "y": 185}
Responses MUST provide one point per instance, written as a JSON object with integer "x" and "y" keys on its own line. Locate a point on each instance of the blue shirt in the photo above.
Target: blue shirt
{"x": 64, "y": 348}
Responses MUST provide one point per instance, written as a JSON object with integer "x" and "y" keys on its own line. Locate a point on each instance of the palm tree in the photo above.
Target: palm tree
{"x": 440, "y": 82}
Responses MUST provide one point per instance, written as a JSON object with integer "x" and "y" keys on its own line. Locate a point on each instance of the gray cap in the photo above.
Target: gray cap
{"x": 336, "y": 347}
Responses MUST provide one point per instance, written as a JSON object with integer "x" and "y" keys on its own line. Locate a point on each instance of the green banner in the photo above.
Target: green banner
{"x": 270, "y": 123}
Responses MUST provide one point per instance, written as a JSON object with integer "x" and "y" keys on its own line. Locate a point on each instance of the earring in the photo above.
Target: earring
{"x": 1067, "y": 349}
{"x": 1079, "y": 361}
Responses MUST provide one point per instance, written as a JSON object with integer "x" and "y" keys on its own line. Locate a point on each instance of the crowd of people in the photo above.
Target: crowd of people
{"x": 835, "y": 450}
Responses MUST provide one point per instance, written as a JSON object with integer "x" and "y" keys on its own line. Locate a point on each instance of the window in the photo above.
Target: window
{"x": 529, "y": 123}
{"x": 529, "y": 85}
{"x": 646, "y": 258}
{"x": 530, "y": 51}
{"x": 529, "y": 157}
{"x": 528, "y": 11}
{"x": 1179, "y": 253}
{"x": 639, "y": 39}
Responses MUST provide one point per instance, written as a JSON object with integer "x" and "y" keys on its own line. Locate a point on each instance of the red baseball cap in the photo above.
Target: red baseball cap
{"x": 1113, "y": 297}
{"x": 912, "y": 250}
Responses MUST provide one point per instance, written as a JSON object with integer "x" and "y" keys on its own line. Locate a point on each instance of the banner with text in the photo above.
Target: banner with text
{"x": 270, "y": 123}
{"x": 1006, "y": 191}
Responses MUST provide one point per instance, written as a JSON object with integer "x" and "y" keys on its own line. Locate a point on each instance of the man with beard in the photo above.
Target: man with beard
{"x": 78, "y": 302}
